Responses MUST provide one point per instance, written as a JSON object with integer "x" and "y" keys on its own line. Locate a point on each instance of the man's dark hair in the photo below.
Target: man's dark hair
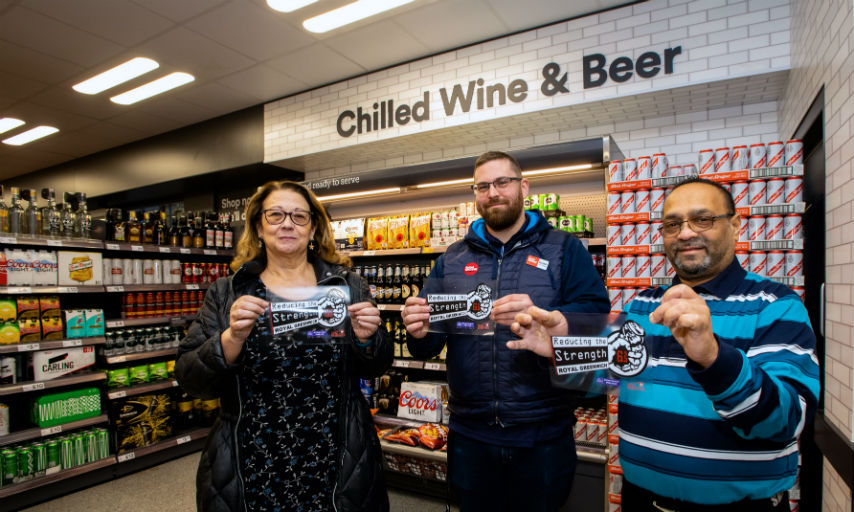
{"x": 498, "y": 155}
{"x": 729, "y": 202}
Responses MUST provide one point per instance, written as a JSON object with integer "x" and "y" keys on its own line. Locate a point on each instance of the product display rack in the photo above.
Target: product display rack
{"x": 141, "y": 356}
{"x": 193, "y": 435}
{"x": 52, "y": 344}
{"x": 38, "y": 433}
{"x": 142, "y": 389}
{"x": 59, "y": 382}
{"x": 39, "y": 482}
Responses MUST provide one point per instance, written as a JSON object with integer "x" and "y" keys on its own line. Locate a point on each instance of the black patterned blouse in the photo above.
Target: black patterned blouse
{"x": 288, "y": 430}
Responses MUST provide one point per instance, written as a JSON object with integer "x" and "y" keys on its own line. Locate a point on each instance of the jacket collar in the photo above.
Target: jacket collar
{"x": 534, "y": 225}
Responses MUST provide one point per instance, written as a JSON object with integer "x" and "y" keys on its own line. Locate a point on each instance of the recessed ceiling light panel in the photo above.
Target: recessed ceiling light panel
{"x": 288, "y": 5}
{"x": 117, "y": 75}
{"x": 30, "y": 135}
{"x": 350, "y": 13}
{"x": 154, "y": 88}
{"x": 8, "y": 123}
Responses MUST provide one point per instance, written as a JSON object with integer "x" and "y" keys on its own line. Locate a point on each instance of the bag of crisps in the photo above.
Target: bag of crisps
{"x": 377, "y": 233}
{"x": 398, "y": 232}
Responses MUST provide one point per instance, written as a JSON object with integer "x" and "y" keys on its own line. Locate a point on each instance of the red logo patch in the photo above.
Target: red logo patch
{"x": 471, "y": 269}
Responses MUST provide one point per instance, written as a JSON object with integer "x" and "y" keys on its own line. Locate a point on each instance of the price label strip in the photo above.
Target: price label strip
{"x": 310, "y": 315}
{"x": 463, "y": 313}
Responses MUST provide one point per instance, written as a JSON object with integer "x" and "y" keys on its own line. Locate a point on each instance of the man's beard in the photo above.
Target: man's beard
{"x": 501, "y": 219}
{"x": 692, "y": 268}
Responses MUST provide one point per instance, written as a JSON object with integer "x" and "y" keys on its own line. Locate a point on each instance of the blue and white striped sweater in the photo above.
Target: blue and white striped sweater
{"x": 728, "y": 432}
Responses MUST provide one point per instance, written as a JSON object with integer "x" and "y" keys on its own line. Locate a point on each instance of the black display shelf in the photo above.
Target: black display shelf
{"x": 35, "y": 483}
{"x": 140, "y": 356}
{"x": 38, "y": 433}
{"x": 70, "y": 243}
{"x": 142, "y": 322}
{"x": 141, "y": 389}
{"x": 162, "y": 249}
{"x": 26, "y": 387}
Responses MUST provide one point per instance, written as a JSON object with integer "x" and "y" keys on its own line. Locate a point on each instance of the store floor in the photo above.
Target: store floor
{"x": 170, "y": 487}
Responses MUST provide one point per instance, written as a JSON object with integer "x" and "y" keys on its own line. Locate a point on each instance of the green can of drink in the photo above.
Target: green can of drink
{"x": 8, "y": 466}
{"x": 579, "y": 223}
{"x": 564, "y": 223}
{"x": 66, "y": 453}
{"x": 26, "y": 463}
{"x": 79, "y": 442}
{"x": 91, "y": 444}
{"x": 53, "y": 459}
{"x": 40, "y": 456}
{"x": 103, "y": 443}
{"x": 588, "y": 224}
{"x": 552, "y": 221}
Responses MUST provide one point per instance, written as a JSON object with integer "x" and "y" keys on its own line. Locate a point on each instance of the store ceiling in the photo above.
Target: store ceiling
{"x": 241, "y": 52}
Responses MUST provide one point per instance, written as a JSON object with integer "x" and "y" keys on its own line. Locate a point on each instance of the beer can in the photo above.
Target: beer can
{"x": 628, "y": 267}
{"x": 774, "y": 227}
{"x": 794, "y": 263}
{"x": 756, "y": 228}
{"x": 136, "y": 275}
{"x": 628, "y": 295}
{"x": 669, "y": 271}
{"x": 722, "y": 160}
{"x": 756, "y": 192}
{"x": 743, "y": 230}
{"x": 689, "y": 170}
{"x": 794, "y": 152}
{"x": 726, "y": 186}
{"x": 158, "y": 271}
{"x": 116, "y": 271}
{"x": 8, "y": 466}
{"x": 616, "y": 296}
{"x": 588, "y": 225}
{"x": 793, "y": 190}
{"x": 103, "y": 436}
{"x": 615, "y": 171}
{"x": 615, "y": 236}
{"x": 553, "y": 222}
{"x": 657, "y": 265}
{"x": 642, "y": 264}
{"x": 40, "y": 457}
{"x": 656, "y": 199}
{"x": 4, "y": 420}
{"x": 615, "y": 267}
{"x": 743, "y": 259}
{"x": 706, "y": 161}
{"x": 107, "y": 266}
{"x": 739, "y": 158}
{"x": 175, "y": 272}
{"x": 659, "y": 165}
{"x": 628, "y": 234}
{"x": 186, "y": 272}
{"x": 615, "y": 203}
{"x": 642, "y": 201}
{"x": 801, "y": 292}
{"x": 26, "y": 463}
{"x": 774, "y": 191}
{"x": 644, "y": 168}
{"x": 655, "y": 232}
{"x": 602, "y": 431}
{"x": 793, "y": 227}
{"x": 127, "y": 271}
{"x": 630, "y": 169}
{"x": 66, "y": 453}
{"x": 674, "y": 170}
{"x": 756, "y": 262}
{"x": 627, "y": 202}
{"x": 739, "y": 194}
{"x": 79, "y": 441}
{"x": 776, "y": 155}
{"x": 148, "y": 271}
{"x": 642, "y": 233}
{"x": 53, "y": 458}
{"x": 90, "y": 443}
{"x": 8, "y": 375}
{"x": 580, "y": 431}
{"x": 775, "y": 264}
{"x": 758, "y": 158}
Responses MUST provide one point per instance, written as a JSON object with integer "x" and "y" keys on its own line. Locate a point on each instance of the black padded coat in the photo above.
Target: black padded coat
{"x": 202, "y": 371}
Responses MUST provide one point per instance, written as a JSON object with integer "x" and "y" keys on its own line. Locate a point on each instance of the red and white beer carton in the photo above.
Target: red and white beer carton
{"x": 756, "y": 261}
{"x": 615, "y": 267}
{"x": 615, "y": 171}
{"x": 674, "y": 170}
{"x": 774, "y": 191}
{"x": 669, "y": 271}
{"x": 706, "y": 161}
{"x": 756, "y": 228}
{"x": 616, "y": 296}
{"x": 615, "y": 237}
{"x": 642, "y": 269}
{"x": 776, "y": 154}
{"x": 722, "y": 160}
{"x": 581, "y": 429}
{"x": 628, "y": 234}
{"x": 656, "y": 199}
{"x": 774, "y": 227}
{"x": 642, "y": 233}
{"x": 793, "y": 189}
{"x": 615, "y": 203}
{"x": 794, "y": 152}
{"x": 794, "y": 264}
{"x": 743, "y": 230}
{"x": 756, "y": 192}
{"x": 659, "y": 165}
{"x": 775, "y": 264}
{"x": 644, "y": 168}
{"x": 655, "y": 232}
{"x": 743, "y": 259}
{"x": 793, "y": 227}
{"x": 739, "y": 158}
{"x": 656, "y": 265}
{"x": 642, "y": 200}
{"x": 689, "y": 170}
{"x": 739, "y": 194}
{"x": 630, "y": 169}
{"x": 627, "y": 200}
{"x": 628, "y": 271}
{"x": 758, "y": 156}
{"x": 628, "y": 295}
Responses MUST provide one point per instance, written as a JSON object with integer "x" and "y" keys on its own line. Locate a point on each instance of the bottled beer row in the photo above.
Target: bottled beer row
{"x": 394, "y": 283}
{"x": 70, "y": 219}
{"x": 200, "y": 230}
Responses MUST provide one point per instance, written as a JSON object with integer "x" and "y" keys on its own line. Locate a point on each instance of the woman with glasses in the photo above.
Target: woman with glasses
{"x": 295, "y": 432}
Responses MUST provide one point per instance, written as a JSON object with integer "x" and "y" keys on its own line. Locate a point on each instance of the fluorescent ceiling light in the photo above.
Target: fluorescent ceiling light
{"x": 7, "y": 123}
{"x": 349, "y": 13}
{"x": 288, "y": 5}
{"x": 118, "y": 75}
{"x": 154, "y": 88}
{"x": 364, "y": 193}
{"x": 556, "y": 170}
{"x": 30, "y": 135}
{"x": 444, "y": 183}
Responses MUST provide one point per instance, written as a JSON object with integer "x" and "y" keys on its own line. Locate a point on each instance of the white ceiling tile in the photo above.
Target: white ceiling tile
{"x": 177, "y": 110}
{"x": 145, "y": 122}
{"x": 34, "y": 65}
{"x": 216, "y": 96}
{"x": 472, "y": 21}
{"x": 15, "y": 87}
{"x": 303, "y": 63}
{"x": 36, "y": 115}
{"x": 67, "y": 100}
{"x": 181, "y": 10}
{"x": 263, "y": 82}
{"x": 377, "y": 45}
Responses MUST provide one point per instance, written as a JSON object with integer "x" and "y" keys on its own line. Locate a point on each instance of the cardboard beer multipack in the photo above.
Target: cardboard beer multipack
{"x": 349, "y": 234}
{"x": 9, "y": 332}
{"x": 51, "y": 317}
{"x": 422, "y": 400}
{"x": 80, "y": 268}
{"x": 29, "y": 323}
{"x": 50, "y": 364}
{"x": 75, "y": 323}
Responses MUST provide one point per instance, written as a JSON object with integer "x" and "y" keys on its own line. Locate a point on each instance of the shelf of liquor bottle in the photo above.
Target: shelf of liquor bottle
{"x": 24, "y": 387}
{"x": 38, "y": 433}
{"x": 48, "y": 241}
{"x": 414, "y": 451}
{"x": 142, "y": 389}
{"x": 419, "y": 365}
{"x": 52, "y": 344}
{"x": 154, "y": 320}
{"x": 27, "y": 485}
{"x": 390, "y": 307}
{"x": 136, "y": 453}
{"x": 165, "y": 249}
{"x": 141, "y": 356}
{"x": 157, "y": 287}
{"x": 24, "y": 290}
{"x": 397, "y": 252}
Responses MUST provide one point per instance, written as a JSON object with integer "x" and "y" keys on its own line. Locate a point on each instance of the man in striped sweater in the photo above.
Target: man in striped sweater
{"x": 713, "y": 422}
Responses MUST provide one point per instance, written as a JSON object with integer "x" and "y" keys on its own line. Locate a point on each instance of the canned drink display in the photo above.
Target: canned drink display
{"x": 642, "y": 233}
{"x": 793, "y": 227}
{"x": 8, "y": 375}
{"x": 756, "y": 262}
{"x": 642, "y": 201}
{"x": 793, "y": 190}
{"x": 743, "y": 259}
{"x": 8, "y": 466}
{"x": 628, "y": 267}
{"x": 588, "y": 224}
{"x": 627, "y": 202}
{"x": 26, "y": 463}
{"x": 739, "y": 194}
{"x": 756, "y": 228}
{"x": 615, "y": 267}
{"x": 756, "y": 192}
{"x": 801, "y": 292}
{"x": 657, "y": 265}
{"x": 103, "y": 436}
{"x": 706, "y": 161}
{"x": 90, "y": 443}
{"x": 722, "y": 161}
{"x": 674, "y": 170}
{"x": 628, "y": 296}
{"x": 642, "y": 266}
{"x": 659, "y": 165}
{"x": 655, "y": 232}
{"x": 776, "y": 154}
{"x": 615, "y": 236}
{"x": 616, "y": 296}
{"x": 656, "y": 200}
{"x": 148, "y": 271}
{"x": 743, "y": 230}
{"x": 136, "y": 275}
{"x": 40, "y": 457}
{"x": 79, "y": 449}
{"x": 644, "y": 168}
{"x": 774, "y": 227}
{"x": 158, "y": 271}
{"x": 794, "y": 265}
{"x": 794, "y": 152}
{"x": 66, "y": 453}
{"x": 615, "y": 203}
{"x": 739, "y": 158}
{"x": 615, "y": 171}
{"x": 107, "y": 265}
{"x": 775, "y": 264}
{"x": 630, "y": 169}
{"x": 175, "y": 272}
{"x": 127, "y": 271}
{"x": 774, "y": 191}
{"x": 628, "y": 234}
{"x": 580, "y": 429}
{"x": 4, "y": 420}
{"x": 689, "y": 170}
{"x": 758, "y": 158}
{"x": 53, "y": 457}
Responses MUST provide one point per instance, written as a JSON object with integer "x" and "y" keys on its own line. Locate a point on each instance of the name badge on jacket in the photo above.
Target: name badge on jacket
{"x": 537, "y": 262}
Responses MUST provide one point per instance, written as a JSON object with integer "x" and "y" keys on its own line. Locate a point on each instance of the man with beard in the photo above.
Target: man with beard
{"x": 713, "y": 421}
{"x": 511, "y": 444}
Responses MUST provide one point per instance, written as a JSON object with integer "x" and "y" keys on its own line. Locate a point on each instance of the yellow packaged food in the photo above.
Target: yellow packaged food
{"x": 398, "y": 232}
{"x": 419, "y": 230}
{"x": 377, "y": 233}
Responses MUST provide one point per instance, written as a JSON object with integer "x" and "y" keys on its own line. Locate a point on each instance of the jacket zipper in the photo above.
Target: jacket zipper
{"x": 237, "y": 444}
